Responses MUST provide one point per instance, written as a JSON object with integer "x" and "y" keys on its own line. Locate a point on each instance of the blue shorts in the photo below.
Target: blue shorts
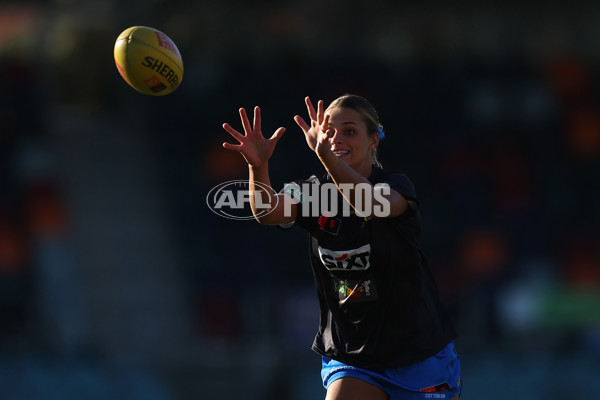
{"x": 437, "y": 377}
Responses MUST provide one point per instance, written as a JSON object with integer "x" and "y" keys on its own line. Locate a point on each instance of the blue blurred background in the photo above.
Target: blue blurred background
{"x": 117, "y": 281}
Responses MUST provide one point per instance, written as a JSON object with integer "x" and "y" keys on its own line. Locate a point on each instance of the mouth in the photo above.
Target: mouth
{"x": 341, "y": 153}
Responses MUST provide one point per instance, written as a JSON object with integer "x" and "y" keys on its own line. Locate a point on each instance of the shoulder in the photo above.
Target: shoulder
{"x": 399, "y": 182}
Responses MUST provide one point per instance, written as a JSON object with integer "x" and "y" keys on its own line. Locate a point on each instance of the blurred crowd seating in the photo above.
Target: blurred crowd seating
{"x": 492, "y": 112}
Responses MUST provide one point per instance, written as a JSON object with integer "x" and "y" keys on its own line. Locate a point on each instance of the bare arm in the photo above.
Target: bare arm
{"x": 279, "y": 214}
{"x": 361, "y": 194}
{"x": 257, "y": 150}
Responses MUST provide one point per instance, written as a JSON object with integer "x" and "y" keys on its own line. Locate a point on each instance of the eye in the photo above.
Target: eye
{"x": 349, "y": 131}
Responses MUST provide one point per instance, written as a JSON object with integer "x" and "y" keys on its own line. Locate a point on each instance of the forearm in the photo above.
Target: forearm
{"x": 346, "y": 179}
{"x": 341, "y": 173}
{"x": 360, "y": 193}
{"x": 259, "y": 182}
{"x": 271, "y": 210}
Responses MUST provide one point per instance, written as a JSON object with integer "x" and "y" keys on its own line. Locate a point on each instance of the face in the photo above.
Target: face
{"x": 351, "y": 141}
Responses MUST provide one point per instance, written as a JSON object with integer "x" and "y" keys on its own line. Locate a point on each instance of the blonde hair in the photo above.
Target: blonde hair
{"x": 367, "y": 111}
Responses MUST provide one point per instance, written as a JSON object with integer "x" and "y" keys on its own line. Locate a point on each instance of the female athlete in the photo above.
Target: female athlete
{"x": 383, "y": 333}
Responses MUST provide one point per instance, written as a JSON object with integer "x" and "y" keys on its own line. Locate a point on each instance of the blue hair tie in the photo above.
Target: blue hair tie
{"x": 381, "y": 134}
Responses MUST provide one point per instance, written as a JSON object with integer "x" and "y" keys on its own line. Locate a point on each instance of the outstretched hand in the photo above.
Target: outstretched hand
{"x": 317, "y": 117}
{"x": 254, "y": 147}
{"x": 318, "y": 133}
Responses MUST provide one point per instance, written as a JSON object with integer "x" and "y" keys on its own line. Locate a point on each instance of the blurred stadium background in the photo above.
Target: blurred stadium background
{"x": 117, "y": 281}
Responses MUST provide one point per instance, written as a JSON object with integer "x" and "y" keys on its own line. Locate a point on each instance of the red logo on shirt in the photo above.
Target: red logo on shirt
{"x": 329, "y": 224}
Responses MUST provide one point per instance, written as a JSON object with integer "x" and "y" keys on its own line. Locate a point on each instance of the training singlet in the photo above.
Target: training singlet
{"x": 379, "y": 304}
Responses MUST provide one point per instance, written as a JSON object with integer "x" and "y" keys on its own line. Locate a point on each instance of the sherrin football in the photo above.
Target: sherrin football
{"x": 148, "y": 60}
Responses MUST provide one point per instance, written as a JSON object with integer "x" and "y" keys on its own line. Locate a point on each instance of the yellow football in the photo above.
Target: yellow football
{"x": 148, "y": 60}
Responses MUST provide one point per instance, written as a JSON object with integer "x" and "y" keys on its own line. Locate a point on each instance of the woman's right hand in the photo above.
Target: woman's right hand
{"x": 312, "y": 131}
{"x": 254, "y": 147}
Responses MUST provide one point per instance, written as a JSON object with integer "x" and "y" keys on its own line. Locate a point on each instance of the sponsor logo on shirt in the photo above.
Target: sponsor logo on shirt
{"x": 346, "y": 260}
{"x": 350, "y": 289}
